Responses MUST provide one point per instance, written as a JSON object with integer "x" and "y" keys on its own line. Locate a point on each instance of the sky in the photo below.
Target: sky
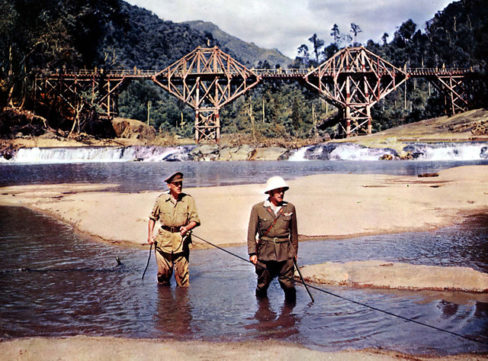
{"x": 286, "y": 24}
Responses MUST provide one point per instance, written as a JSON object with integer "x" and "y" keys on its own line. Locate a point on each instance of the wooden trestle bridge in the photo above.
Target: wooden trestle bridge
{"x": 207, "y": 79}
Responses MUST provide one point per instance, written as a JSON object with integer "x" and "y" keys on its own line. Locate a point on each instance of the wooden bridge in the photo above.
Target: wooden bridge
{"x": 207, "y": 79}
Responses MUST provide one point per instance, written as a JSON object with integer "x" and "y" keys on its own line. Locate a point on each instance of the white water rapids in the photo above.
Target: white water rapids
{"x": 327, "y": 151}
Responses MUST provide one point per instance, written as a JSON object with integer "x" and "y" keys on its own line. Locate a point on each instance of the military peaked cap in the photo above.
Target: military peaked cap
{"x": 175, "y": 177}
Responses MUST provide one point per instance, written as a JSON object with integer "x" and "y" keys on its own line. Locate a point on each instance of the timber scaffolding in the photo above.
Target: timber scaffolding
{"x": 206, "y": 79}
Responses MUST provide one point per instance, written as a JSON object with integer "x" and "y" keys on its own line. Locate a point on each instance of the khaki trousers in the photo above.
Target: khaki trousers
{"x": 179, "y": 262}
{"x": 267, "y": 270}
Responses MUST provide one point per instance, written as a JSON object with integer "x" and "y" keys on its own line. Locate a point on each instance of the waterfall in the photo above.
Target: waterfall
{"x": 100, "y": 154}
{"x": 325, "y": 151}
{"x": 420, "y": 151}
{"x": 299, "y": 154}
{"x": 448, "y": 151}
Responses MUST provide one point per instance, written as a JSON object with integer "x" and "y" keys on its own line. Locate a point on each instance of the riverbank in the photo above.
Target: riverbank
{"x": 82, "y": 348}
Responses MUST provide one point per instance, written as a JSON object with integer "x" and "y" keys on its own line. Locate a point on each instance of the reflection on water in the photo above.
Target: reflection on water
{"x": 270, "y": 324}
{"x": 94, "y": 296}
{"x": 135, "y": 176}
{"x": 174, "y": 312}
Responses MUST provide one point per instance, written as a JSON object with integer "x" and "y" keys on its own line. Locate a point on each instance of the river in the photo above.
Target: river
{"x": 54, "y": 283}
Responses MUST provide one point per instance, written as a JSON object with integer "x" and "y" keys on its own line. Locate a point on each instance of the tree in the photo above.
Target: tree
{"x": 330, "y": 50}
{"x": 405, "y": 32}
{"x": 385, "y": 38}
{"x": 336, "y": 34}
{"x": 355, "y": 30}
{"x": 303, "y": 51}
{"x": 317, "y": 45}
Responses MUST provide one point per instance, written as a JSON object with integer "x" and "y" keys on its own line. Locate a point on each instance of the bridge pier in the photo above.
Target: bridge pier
{"x": 355, "y": 79}
{"x": 207, "y": 125}
{"x": 207, "y": 79}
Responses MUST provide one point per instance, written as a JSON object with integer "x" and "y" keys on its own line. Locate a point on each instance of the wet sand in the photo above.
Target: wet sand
{"x": 396, "y": 275}
{"x": 82, "y": 348}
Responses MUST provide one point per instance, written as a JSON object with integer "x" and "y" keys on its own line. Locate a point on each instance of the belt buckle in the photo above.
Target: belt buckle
{"x": 275, "y": 239}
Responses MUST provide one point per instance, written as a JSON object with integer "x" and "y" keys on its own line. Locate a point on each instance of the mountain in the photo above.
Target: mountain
{"x": 138, "y": 37}
{"x": 249, "y": 53}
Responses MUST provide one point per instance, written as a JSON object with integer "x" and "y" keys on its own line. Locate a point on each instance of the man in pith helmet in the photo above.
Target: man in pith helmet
{"x": 177, "y": 214}
{"x": 274, "y": 223}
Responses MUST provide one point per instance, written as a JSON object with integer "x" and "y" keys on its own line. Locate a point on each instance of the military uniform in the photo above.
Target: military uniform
{"x": 276, "y": 246}
{"x": 172, "y": 250}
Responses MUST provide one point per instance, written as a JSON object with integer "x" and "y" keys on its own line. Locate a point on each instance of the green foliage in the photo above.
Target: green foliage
{"x": 111, "y": 34}
{"x": 456, "y": 37}
{"x": 147, "y": 102}
{"x": 274, "y": 109}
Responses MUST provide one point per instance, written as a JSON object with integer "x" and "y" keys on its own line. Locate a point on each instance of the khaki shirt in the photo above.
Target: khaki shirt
{"x": 278, "y": 243}
{"x": 172, "y": 214}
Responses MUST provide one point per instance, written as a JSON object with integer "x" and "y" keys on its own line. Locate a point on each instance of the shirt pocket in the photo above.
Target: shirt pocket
{"x": 181, "y": 215}
{"x": 264, "y": 224}
{"x": 285, "y": 220}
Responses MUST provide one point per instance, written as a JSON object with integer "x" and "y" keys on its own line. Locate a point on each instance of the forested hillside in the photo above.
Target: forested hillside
{"x": 249, "y": 54}
{"x": 38, "y": 35}
{"x": 109, "y": 34}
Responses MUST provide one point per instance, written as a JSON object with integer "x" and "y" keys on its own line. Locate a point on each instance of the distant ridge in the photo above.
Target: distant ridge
{"x": 249, "y": 53}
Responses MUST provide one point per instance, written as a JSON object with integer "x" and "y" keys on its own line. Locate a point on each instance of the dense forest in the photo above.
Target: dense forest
{"x": 111, "y": 34}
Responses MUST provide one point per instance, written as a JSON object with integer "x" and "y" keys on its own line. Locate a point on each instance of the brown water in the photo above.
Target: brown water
{"x": 52, "y": 283}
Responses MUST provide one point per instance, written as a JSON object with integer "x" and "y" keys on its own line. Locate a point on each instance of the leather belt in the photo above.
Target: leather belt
{"x": 275, "y": 239}
{"x": 175, "y": 229}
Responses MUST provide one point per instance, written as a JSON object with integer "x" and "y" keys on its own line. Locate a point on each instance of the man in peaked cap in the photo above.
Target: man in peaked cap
{"x": 177, "y": 214}
{"x": 274, "y": 222}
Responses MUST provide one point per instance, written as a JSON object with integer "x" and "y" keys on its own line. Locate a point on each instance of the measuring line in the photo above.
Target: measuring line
{"x": 357, "y": 302}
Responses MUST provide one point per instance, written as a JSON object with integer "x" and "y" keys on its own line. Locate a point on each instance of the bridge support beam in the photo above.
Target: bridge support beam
{"x": 207, "y": 79}
{"x": 353, "y": 80}
{"x": 207, "y": 125}
{"x": 83, "y": 90}
{"x": 454, "y": 89}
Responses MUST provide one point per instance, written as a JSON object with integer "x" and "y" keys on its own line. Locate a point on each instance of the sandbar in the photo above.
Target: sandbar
{"x": 329, "y": 206}
{"x": 83, "y": 348}
{"x": 396, "y": 275}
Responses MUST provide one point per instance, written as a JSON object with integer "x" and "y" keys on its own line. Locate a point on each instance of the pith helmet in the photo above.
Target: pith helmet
{"x": 275, "y": 183}
{"x": 175, "y": 177}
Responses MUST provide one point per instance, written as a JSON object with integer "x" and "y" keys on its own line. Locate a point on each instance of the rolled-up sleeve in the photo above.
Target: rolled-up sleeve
{"x": 154, "y": 215}
{"x": 192, "y": 212}
{"x": 252, "y": 229}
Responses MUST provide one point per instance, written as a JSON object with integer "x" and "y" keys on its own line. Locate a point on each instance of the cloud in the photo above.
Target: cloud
{"x": 284, "y": 24}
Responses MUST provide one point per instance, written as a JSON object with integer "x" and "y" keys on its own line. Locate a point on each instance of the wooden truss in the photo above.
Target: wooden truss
{"x": 355, "y": 79}
{"x": 207, "y": 79}
{"x": 94, "y": 90}
{"x": 454, "y": 89}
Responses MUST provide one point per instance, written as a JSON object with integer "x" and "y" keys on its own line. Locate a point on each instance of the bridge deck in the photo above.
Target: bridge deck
{"x": 263, "y": 73}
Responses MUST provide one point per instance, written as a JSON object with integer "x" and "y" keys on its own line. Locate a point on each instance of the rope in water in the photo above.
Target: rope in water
{"x": 357, "y": 302}
{"x": 118, "y": 268}
{"x": 148, "y": 259}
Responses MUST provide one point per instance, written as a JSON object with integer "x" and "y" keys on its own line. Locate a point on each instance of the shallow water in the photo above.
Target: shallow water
{"x": 137, "y": 176}
{"x": 74, "y": 287}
